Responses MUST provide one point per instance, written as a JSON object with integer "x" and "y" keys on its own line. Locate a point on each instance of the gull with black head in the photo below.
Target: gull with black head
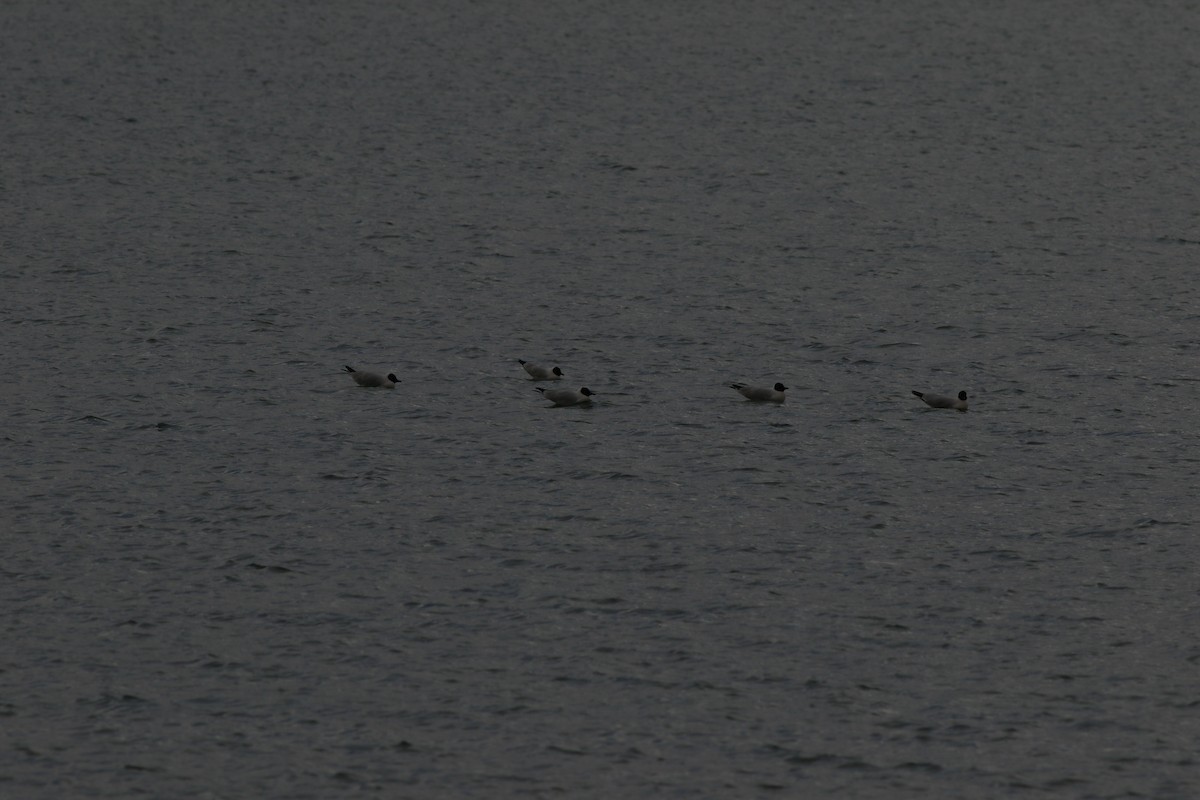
{"x": 373, "y": 379}
{"x": 567, "y": 397}
{"x": 540, "y": 373}
{"x": 761, "y": 394}
{"x": 943, "y": 401}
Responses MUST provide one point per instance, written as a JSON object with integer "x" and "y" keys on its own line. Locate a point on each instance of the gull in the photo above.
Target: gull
{"x": 761, "y": 393}
{"x": 539, "y": 373}
{"x": 942, "y": 401}
{"x": 567, "y": 397}
{"x": 373, "y": 378}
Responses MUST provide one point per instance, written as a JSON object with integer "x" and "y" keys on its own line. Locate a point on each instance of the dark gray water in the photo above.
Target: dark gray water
{"x": 228, "y": 572}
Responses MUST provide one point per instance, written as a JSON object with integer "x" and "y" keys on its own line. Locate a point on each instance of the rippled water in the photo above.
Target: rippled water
{"x": 230, "y": 572}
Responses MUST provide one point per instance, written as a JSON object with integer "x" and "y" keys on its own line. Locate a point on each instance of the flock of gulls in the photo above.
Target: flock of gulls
{"x": 571, "y": 397}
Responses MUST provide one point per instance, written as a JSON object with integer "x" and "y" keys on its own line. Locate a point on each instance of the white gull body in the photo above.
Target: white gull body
{"x": 567, "y": 397}
{"x": 943, "y": 401}
{"x": 761, "y": 393}
{"x": 540, "y": 373}
{"x": 373, "y": 379}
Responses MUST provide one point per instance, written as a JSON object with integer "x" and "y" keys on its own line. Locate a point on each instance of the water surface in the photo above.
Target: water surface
{"x": 229, "y": 571}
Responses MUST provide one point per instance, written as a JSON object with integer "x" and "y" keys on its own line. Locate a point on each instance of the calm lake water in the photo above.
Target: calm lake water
{"x": 229, "y": 572}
